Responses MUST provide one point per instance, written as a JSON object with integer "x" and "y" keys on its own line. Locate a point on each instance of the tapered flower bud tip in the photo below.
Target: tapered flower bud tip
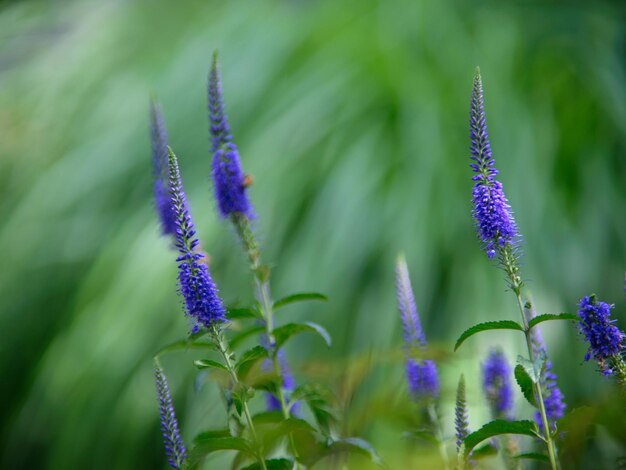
{"x": 158, "y": 138}
{"x": 461, "y": 423}
{"x": 411, "y": 326}
{"x": 174, "y": 447}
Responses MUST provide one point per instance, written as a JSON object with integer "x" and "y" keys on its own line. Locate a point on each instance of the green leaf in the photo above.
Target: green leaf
{"x": 533, "y": 369}
{"x": 208, "y": 445}
{"x": 208, "y": 364}
{"x": 283, "y": 333}
{"x": 272, "y": 464}
{"x": 212, "y": 434}
{"x": 490, "y": 325}
{"x": 249, "y": 358}
{"x": 318, "y": 399}
{"x": 551, "y": 316}
{"x": 525, "y": 384}
{"x": 284, "y": 428}
{"x": 533, "y": 456}
{"x": 185, "y": 345}
{"x": 299, "y": 297}
{"x": 424, "y": 434}
{"x": 241, "y": 336}
{"x": 243, "y": 314}
{"x": 497, "y": 427}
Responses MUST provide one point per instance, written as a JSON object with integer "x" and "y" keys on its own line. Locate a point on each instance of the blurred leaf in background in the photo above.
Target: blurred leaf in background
{"x": 352, "y": 118}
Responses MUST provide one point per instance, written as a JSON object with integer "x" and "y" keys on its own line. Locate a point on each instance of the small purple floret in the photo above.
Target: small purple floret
{"x": 202, "y": 302}
{"x": 497, "y": 384}
{"x": 494, "y": 221}
{"x": 288, "y": 385}
{"x": 174, "y": 447}
{"x": 158, "y": 138}
{"x": 228, "y": 178}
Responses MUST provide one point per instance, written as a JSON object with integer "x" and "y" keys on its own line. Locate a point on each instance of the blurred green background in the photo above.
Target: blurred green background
{"x": 352, "y": 118}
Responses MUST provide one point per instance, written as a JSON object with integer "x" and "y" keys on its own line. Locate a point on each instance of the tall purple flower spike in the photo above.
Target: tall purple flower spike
{"x": 202, "y": 302}
{"x": 494, "y": 221}
{"x": 497, "y": 384}
{"x": 552, "y": 395}
{"x": 421, "y": 375}
{"x": 606, "y": 341}
{"x": 174, "y": 447}
{"x": 158, "y": 138}
{"x": 289, "y": 384}
{"x": 230, "y": 183}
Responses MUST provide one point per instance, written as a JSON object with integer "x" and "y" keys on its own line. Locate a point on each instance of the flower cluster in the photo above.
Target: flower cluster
{"x": 497, "y": 384}
{"x": 421, "y": 375}
{"x": 202, "y": 302}
{"x": 605, "y": 340}
{"x": 174, "y": 447}
{"x": 492, "y": 213}
{"x": 230, "y": 183}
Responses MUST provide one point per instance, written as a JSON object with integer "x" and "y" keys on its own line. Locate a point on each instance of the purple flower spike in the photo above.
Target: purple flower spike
{"x": 492, "y": 213}
{"x": 552, "y": 395}
{"x": 230, "y": 183}
{"x": 196, "y": 286}
{"x": 158, "y": 137}
{"x": 461, "y": 422}
{"x": 421, "y": 375}
{"x": 289, "y": 384}
{"x": 174, "y": 447}
{"x": 497, "y": 384}
{"x": 606, "y": 341}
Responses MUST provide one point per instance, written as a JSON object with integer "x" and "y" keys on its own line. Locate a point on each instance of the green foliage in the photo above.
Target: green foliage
{"x": 487, "y": 326}
{"x": 525, "y": 383}
{"x": 299, "y": 297}
{"x": 551, "y": 316}
{"x": 272, "y": 464}
{"x": 533, "y": 456}
{"x": 207, "y": 445}
{"x": 534, "y": 368}
{"x": 288, "y": 331}
{"x": 499, "y": 427}
{"x": 250, "y": 358}
{"x": 209, "y": 364}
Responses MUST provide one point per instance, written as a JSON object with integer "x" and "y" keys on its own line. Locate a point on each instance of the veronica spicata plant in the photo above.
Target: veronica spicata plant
{"x": 500, "y": 239}
{"x": 276, "y": 437}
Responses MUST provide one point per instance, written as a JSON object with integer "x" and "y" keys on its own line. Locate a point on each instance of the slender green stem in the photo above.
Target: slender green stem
{"x": 434, "y": 418}
{"x": 226, "y": 355}
{"x": 507, "y": 258}
{"x": 262, "y": 288}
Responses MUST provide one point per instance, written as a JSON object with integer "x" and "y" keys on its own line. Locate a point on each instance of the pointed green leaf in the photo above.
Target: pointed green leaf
{"x": 283, "y": 333}
{"x": 490, "y": 325}
{"x": 209, "y": 364}
{"x": 209, "y": 445}
{"x": 353, "y": 445}
{"x": 551, "y": 316}
{"x": 525, "y": 384}
{"x": 497, "y": 427}
{"x": 424, "y": 434}
{"x": 241, "y": 336}
{"x": 212, "y": 434}
{"x": 249, "y": 358}
{"x": 272, "y": 464}
{"x": 299, "y": 297}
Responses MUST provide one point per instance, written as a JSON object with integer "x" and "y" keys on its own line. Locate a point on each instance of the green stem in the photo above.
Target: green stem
{"x": 262, "y": 287}
{"x": 434, "y": 418}
{"x": 226, "y": 355}
{"x": 509, "y": 263}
